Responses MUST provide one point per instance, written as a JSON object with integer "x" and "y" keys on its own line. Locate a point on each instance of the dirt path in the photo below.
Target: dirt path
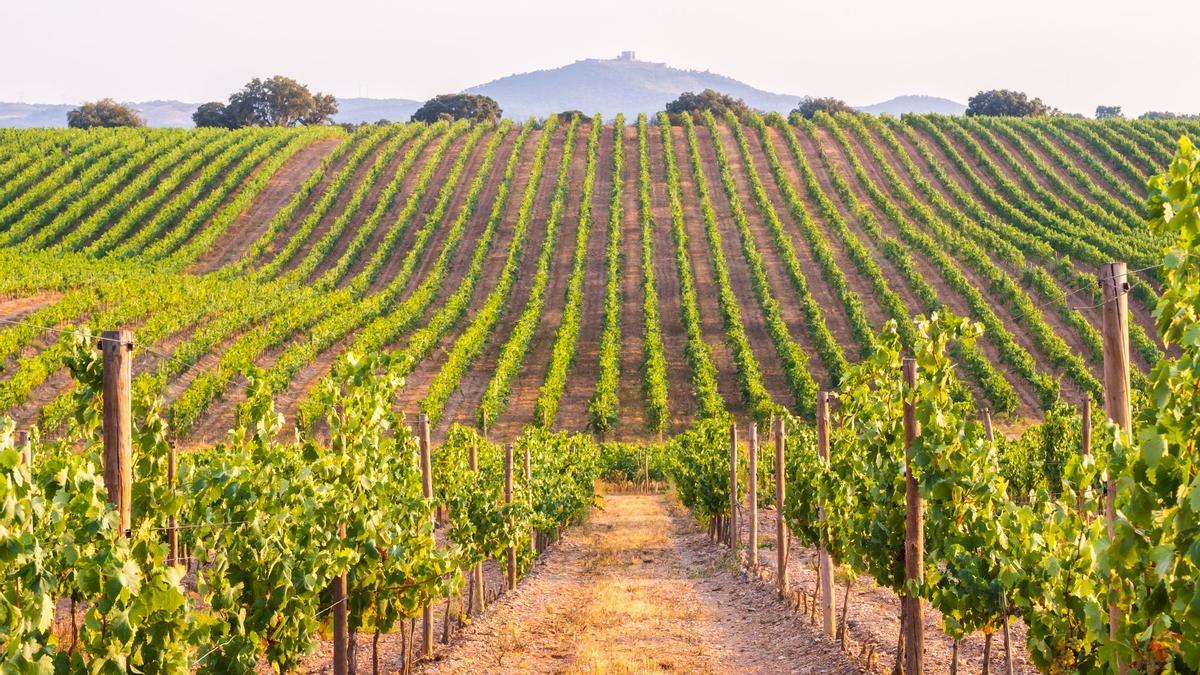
{"x": 638, "y": 589}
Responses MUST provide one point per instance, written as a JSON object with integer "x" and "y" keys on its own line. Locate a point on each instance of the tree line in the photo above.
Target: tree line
{"x": 283, "y": 102}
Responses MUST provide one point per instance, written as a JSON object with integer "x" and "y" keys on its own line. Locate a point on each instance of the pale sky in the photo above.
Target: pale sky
{"x": 1074, "y": 54}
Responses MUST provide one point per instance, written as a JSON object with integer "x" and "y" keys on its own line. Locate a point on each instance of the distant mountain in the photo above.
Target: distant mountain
{"x": 179, "y": 114}
{"x": 358, "y": 110}
{"x": 156, "y": 114}
{"x": 915, "y": 104}
{"x": 27, "y": 115}
{"x": 609, "y": 86}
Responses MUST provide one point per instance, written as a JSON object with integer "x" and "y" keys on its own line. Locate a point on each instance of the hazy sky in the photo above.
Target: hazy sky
{"x": 1141, "y": 54}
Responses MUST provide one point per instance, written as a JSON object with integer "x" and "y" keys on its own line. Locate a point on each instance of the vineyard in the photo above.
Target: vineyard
{"x": 560, "y": 276}
{"x": 365, "y": 370}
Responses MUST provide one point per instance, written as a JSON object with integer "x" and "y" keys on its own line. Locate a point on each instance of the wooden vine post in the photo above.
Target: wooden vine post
{"x": 26, "y": 451}
{"x": 1114, "y": 289}
{"x": 733, "y": 492}
{"x": 825, "y": 565}
{"x": 991, "y": 439}
{"x": 116, "y": 347}
{"x": 478, "y": 601}
{"x": 1085, "y": 445}
{"x": 533, "y": 538}
{"x": 508, "y": 500}
{"x": 914, "y": 533}
{"x": 427, "y": 490}
{"x": 753, "y": 467}
{"x": 781, "y": 542}
{"x": 172, "y": 526}
{"x": 341, "y": 625}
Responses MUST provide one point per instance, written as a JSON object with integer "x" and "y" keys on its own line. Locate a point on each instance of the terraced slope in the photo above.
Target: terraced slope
{"x": 627, "y": 278}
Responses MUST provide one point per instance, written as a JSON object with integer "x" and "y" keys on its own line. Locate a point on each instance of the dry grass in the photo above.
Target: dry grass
{"x": 638, "y": 618}
{"x": 628, "y": 605}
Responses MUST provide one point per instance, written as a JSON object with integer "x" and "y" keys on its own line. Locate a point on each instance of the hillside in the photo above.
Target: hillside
{"x": 428, "y": 241}
{"x": 610, "y": 86}
{"x": 915, "y": 104}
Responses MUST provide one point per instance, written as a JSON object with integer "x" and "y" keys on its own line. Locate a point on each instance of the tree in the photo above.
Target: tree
{"x": 474, "y": 107}
{"x": 1165, "y": 115}
{"x": 810, "y": 106}
{"x": 708, "y": 99}
{"x": 568, "y": 115}
{"x": 277, "y": 102}
{"x": 1006, "y": 103}
{"x": 1104, "y": 112}
{"x": 212, "y": 114}
{"x": 104, "y": 113}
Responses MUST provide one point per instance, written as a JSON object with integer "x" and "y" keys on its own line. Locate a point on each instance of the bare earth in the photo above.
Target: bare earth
{"x": 639, "y": 589}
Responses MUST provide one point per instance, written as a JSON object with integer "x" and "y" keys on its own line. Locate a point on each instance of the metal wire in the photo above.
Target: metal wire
{"x": 75, "y": 331}
{"x": 1129, "y": 287}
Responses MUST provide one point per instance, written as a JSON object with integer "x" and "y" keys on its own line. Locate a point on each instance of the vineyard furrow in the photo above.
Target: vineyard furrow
{"x": 825, "y": 316}
{"x": 546, "y": 294}
{"x": 464, "y": 376}
{"x": 783, "y": 372}
{"x": 793, "y": 303}
{"x": 666, "y": 376}
{"x": 715, "y": 377}
{"x": 565, "y": 352}
{"x": 426, "y": 348}
{"x": 590, "y": 389}
{"x": 1026, "y": 228}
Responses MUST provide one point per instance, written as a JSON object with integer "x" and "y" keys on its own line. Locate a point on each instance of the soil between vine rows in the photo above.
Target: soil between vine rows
{"x": 639, "y": 588}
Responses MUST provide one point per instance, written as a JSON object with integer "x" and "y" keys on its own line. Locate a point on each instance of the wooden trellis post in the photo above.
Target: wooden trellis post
{"x": 1114, "y": 289}
{"x": 508, "y": 499}
{"x": 172, "y": 526}
{"x": 116, "y": 347}
{"x": 733, "y": 495}
{"x": 753, "y": 467}
{"x": 991, "y": 439}
{"x": 914, "y": 532}
{"x": 427, "y": 490}
{"x": 533, "y": 536}
{"x": 824, "y": 563}
{"x": 479, "y": 601}
{"x": 781, "y": 542}
{"x": 1085, "y": 445}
